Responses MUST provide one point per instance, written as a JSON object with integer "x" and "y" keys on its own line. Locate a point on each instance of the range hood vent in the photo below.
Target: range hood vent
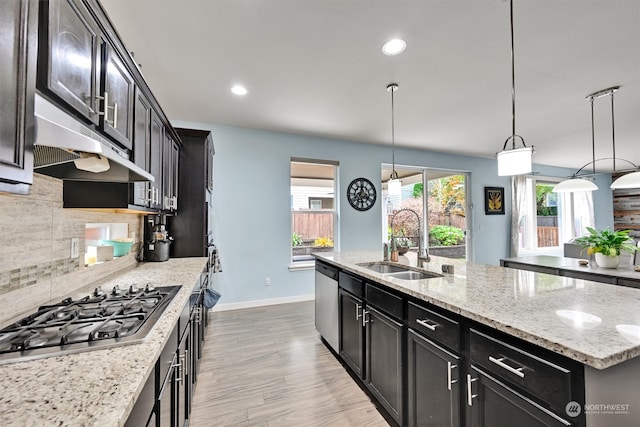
{"x": 61, "y": 140}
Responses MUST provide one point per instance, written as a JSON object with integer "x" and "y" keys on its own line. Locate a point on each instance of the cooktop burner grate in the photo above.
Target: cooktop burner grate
{"x": 122, "y": 316}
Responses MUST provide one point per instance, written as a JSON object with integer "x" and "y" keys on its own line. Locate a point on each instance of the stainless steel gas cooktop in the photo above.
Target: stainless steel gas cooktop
{"x": 103, "y": 319}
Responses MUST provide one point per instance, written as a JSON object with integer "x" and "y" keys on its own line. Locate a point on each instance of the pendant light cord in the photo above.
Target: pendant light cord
{"x": 392, "y": 87}
{"x": 593, "y": 138}
{"x": 513, "y": 82}
{"x": 613, "y": 133}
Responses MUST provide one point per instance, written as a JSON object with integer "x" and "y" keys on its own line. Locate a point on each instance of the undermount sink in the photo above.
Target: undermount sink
{"x": 413, "y": 275}
{"x": 384, "y": 268}
{"x": 402, "y": 272}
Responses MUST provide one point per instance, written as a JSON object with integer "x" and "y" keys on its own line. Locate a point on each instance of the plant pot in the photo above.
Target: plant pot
{"x": 606, "y": 261}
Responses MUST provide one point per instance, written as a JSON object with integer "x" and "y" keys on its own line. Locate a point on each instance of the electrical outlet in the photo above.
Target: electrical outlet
{"x": 267, "y": 281}
{"x": 75, "y": 247}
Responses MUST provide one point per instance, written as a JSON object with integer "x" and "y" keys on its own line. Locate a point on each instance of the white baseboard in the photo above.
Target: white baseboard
{"x": 262, "y": 302}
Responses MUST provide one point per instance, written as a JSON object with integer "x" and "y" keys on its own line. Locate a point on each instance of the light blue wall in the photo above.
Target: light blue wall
{"x": 252, "y": 209}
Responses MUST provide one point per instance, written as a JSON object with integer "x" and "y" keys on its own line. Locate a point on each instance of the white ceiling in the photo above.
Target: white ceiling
{"x": 315, "y": 67}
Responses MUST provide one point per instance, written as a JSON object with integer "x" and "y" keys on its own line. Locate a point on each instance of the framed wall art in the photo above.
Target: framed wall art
{"x": 494, "y": 200}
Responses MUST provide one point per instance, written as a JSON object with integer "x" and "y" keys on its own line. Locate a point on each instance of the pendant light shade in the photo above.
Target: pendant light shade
{"x": 630, "y": 180}
{"x": 574, "y": 185}
{"x": 514, "y": 161}
{"x": 394, "y": 185}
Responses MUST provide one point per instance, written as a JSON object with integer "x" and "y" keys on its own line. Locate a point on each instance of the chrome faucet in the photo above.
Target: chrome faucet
{"x": 423, "y": 251}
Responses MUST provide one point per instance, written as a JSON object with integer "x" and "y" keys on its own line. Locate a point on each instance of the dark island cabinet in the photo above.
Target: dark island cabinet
{"x": 494, "y": 403}
{"x": 351, "y": 332}
{"x": 384, "y": 361}
{"x": 426, "y": 366}
{"x": 433, "y": 383}
{"x": 18, "y": 50}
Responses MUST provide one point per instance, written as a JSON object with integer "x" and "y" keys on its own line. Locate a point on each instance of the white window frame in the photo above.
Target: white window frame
{"x": 309, "y": 264}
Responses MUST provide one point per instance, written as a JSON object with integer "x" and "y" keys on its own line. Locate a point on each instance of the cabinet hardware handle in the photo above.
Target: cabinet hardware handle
{"x": 499, "y": 362}
{"x": 178, "y": 375}
{"x": 427, "y": 325}
{"x": 104, "y": 98}
{"x": 365, "y": 318}
{"x": 115, "y": 115}
{"x": 358, "y": 307}
{"x": 470, "y": 394}
{"x": 449, "y": 380}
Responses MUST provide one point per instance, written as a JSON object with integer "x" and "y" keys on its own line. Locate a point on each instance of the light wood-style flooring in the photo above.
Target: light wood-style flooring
{"x": 266, "y": 366}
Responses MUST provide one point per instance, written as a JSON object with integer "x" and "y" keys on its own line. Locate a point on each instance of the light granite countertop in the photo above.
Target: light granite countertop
{"x": 594, "y": 323}
{"x": 96, "y": 387}
{"x": 625, "y": 271}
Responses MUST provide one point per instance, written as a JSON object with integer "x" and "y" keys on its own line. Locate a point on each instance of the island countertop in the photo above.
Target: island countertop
{"x": 593, "y": 323}
{"x": 96, "y": 387}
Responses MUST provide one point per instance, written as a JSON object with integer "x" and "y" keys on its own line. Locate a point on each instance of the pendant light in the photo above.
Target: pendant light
{"x": 515, "y": 161}
{"x": 577, "y": 183}
{"x": 394, "y": 185}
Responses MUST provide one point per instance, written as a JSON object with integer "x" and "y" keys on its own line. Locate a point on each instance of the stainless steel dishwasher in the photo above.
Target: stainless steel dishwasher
{"x": 327, "y": 303}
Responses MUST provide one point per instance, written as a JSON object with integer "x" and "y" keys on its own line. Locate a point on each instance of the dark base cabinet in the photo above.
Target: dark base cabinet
{"x": 425, "y": 366}
{"x": 351, "y": 332}
{"x": 496, "y": 404}
{"x": 433, "y": 384}
{"x": 384, "y": 361}
{"x": 166, "y": 398}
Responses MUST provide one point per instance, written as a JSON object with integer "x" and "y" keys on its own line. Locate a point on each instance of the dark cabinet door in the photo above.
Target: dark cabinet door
{"x": 493, "y": 403}
{"x": 117, "y": 98}
{"x": 351, "y": 332}
{"x": 155, "y": 160}
{"x": 141, "y": 147}
{"x": 384, "y": 361}
{"x": 166, "y": 404}
{"x": 170, "y": 173}
{"x": 18, "y": 29}
{"x": 70, "y": 60}
{"x": 433, "y": 383}
{"x": 181, "y": 379}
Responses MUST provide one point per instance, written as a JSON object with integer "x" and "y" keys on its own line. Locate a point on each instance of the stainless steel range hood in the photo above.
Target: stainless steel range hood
{"x": 61, "y": 139}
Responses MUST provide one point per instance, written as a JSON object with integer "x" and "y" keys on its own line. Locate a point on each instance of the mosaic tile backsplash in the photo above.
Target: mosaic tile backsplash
{"x": 35, "y": 247}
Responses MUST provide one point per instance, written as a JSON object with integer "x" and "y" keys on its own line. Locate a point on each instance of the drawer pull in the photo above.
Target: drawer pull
{"x": 449, "y": 380}
{"x": 499, "y": 362}
{"x": 470, "y": 394}
{"x": 427, "y": 325}
{"x": 358, "y": 315}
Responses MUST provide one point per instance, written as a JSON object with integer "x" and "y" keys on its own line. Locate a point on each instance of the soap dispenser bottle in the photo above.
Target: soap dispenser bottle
{"x": 394, "y": 250}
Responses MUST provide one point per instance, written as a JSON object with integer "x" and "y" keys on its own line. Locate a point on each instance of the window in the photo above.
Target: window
{"x": 551, "y": 219}
{"x": 445, "y": 206}
{"x": 314, "y": 219}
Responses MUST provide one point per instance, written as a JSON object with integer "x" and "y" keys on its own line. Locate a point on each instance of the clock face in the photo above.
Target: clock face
{"x": 361, "y": 194}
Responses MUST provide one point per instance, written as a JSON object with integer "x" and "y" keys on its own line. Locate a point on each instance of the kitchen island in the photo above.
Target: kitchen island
{"x": 592, "y": 324}
{"x": 624, "y": 275}
{"x": 97, "y": 387}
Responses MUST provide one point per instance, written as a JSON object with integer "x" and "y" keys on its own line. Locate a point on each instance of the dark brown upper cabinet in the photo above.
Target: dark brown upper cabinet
{"x": 116, "y": 117}
{"x": 18, "y": 50}
{"x": 80, "y": 67}
{"x": 70, "y": 60}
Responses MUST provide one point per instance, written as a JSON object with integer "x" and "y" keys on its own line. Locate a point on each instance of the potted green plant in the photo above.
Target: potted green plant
{"x": 607, "y": 245}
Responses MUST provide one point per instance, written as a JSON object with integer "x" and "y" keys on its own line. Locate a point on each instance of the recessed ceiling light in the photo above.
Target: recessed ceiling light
{"x": 394, "y": 47}
{"x": 239, "y": 90}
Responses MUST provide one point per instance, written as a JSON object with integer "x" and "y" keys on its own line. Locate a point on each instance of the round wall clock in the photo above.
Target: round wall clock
{"x": 361, "y": 194}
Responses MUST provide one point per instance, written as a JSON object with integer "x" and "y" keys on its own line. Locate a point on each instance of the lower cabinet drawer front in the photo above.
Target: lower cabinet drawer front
{"x": 351, "y": 284}
{"x": 385, "y": 301}
{"x": 433, "y": 325}
{"x": 543, "y": 379}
